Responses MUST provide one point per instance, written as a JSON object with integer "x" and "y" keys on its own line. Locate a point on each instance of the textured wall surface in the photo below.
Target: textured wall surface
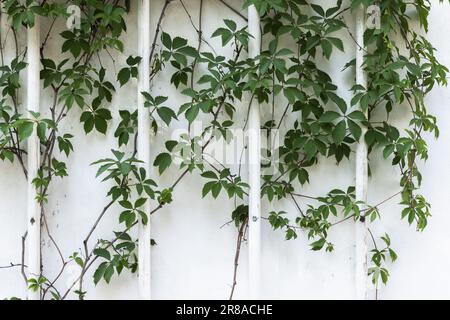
{"x": 194, "y": 255}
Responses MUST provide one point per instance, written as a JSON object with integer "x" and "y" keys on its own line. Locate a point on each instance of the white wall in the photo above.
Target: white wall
{"x": 194, "y": 256}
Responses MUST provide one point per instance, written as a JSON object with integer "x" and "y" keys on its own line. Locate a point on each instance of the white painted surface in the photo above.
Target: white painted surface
{"x": 143, "y": 144}
{"x": 362, "y": 174}
{"x": 33, "y": 251}
{"x": 194, "y": 256}
{"x": 254, "y": 170}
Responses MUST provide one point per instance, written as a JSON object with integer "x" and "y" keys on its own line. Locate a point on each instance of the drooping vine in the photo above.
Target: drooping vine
{"x": 299, "y": 100}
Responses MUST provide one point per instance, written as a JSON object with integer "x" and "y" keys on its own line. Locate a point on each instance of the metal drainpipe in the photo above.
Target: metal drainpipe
{"x": 33, "y": 207}
{"x": 361, "y": 169}
{"x": 254, "y": 236}
{"x": 143, "y": 144}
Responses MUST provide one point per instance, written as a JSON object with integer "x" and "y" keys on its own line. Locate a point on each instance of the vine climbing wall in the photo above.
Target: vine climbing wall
{"x": 195, "y": 238}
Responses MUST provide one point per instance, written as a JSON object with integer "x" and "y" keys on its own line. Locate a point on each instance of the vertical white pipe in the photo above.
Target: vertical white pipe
{"x": 33, "y": 208}
{"x": 254, "y": 236}
{"x": 143, "y": 143}
{"x": 361, "y": 169}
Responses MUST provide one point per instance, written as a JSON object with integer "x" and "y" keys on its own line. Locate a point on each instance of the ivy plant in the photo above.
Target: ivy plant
{"x": 289, "y": 82}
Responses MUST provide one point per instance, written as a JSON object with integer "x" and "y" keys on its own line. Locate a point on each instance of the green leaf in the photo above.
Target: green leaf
{"x": 388, "y": 150}
{"x": 171, "y": 144}
{"x": 126, "y": 204}
{"x": 189, "y": 51}
{"x": 230, "y": 24}
{"x": 162, "y": 161}
{"x": 129, "y": 217}
{"x": 393, "y": 255}
{"x": 293, "y": 94}
{"x": 140, "y": 202}
{"x": 123, "y": 76}
{"x": 25, "y": 130}
{"x": 312, "y": 42}
{"x": 209, "y": 175}
{"x": 225, "y": 34}
{"x": 290, "y": 234}
{"x": 98, "y": 274}
{"x": 318, "y": 9}
{"x": 342, "y": 105}
{"x": 327, "y": 48}
{"x": 339, "y": 132}
{"x": 355, "y": 129}
{"x": 102, "y": 253}
{"x": 310, "y": 149}
{"x": 192, "y": 113}
{"x": 318, "y": 245}
{"x": 166, "y": 40}
{"x": 166, "y": 114}
{"x": 207, "y": 188}
{"x": 179, "y": 42}
{"x": 384, "y": 275}
{"x": 215, "y": 190}
{"x": 357, "y": 115}
{"x": 100, "y": 125}
{"x": 336, "y": 42}
{"x": 41, "y": 128}
{"x": 329, "y": 116}
{"x": 109, "y": 272}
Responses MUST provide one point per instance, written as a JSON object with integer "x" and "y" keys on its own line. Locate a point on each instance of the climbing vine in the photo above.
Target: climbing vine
{"x": 297, "y": 97}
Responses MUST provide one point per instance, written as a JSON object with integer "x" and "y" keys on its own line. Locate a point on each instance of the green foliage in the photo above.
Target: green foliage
{"x": 165, "y": 113}
{"x": 131, "y": 71}
{"x": 162, "y": 161}
{"x": 34, "y": 284}
{"x": 224, "y": 180}
{"x": 378, "y": 271}
{"x": 401, "y": 68}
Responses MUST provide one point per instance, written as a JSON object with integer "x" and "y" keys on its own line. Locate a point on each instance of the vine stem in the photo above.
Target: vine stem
{"x": 239, "y": 241}
{"x": 86, "y": 240}
{"x": 158, "y": 28}
{"x": 234, "y": 10}
{"x": 199, "y": 31}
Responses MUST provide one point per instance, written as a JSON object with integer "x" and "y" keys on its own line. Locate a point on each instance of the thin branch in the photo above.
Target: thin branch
{"x": 239, "y": 240}
{"x": 236, "y": 11}
{"x": 12, "y": 265}
{"x": 51, "y": 237}
{"x": 158, "y": 28}
{"x": 97, "y": 221}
